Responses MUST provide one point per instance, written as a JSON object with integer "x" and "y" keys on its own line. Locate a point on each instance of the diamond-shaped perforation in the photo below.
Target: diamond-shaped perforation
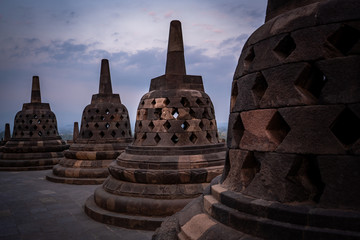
{"x": 123, "y": 133}
{"x": 285, "y": 47}
{"x": 157, "y": 113}
{"x": 237, "y": 130}
{"x": 192, "y": 113}
{"x": 208, "y": 137}
{"x": 201, "y": 125}
{"x": 311, "y": 81}
{"x": 107, "y": 112}
{"x": 113, "y": 133}
{"x": 157, "y": 138}
{"x": 250, "y": 55}
{"x": 140, "y": 125}
{"x": 193, "y": 138}
{"x": 117, "y": 125}
{"x": 107, "y": 125}
{"x": 346, "y": 127}
{"x": 144, "y": 136}
{"x": 185, "y": 125}
{"x": 102, "y": 134}
{"x": 344, "y": 38}
{"x": 175, "y": 139}
{"x": 153, "y": 102}
{"x": 234, "y": 94}
{"x": 277, "y": 128}
{"x": 167, "y": 125}
{"x": 166, "y": 101}
{"x": 199, "y": 102}
{"x": 259, "y": 87}
{"x": 96, "y": 125}
{"x": 175, "y": 113}
{"x": 151, "y": 125}
{"x": 185, "y": 102}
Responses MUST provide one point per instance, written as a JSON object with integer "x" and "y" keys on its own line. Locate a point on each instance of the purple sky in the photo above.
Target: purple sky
{"x": 64, "y": 41}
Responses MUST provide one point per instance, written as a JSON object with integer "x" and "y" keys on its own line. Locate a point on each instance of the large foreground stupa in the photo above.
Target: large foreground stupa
{"x": 175, "y": 154}
{"x": 35, "y": 143}
{"x": 293, "y": 164}
{"x": 104, "y": 134}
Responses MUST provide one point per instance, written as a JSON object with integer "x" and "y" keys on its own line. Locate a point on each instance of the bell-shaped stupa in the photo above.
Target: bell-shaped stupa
{"x": 104, "y": 134}
{"x": 293, "y": 168}
{"x": 35, "y": 143}
{"x": 175, "y": 154}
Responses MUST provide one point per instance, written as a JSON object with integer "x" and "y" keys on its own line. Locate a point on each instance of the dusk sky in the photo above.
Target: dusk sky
{"x": 63, "y": 43}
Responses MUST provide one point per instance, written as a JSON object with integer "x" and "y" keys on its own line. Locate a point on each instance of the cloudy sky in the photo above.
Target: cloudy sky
{"x": 63, "y": 43}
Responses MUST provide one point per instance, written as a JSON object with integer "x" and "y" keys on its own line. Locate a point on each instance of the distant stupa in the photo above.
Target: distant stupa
{"x": 35, "y": 143}
{"x": 104, "y": 134}
{"x": 175, "y": 154}
{"x": 6, "y": 135}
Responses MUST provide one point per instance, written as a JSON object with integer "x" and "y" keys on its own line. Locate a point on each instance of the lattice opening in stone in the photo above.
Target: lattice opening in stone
{"x": 44, "y": 127}
{"x": 199, "y": 102}
{"x": 249, "y": 168}
{"x": 344, "y": 38}
{"x": 22, "y": 134}
{"x": 35, "y": 127}
{"x": 144, "y": 136}
{"x": 123, "y": 133}
{"x": 192, "y": 113}
{"x": 312, "y": 81}
{"x": 39, "y": 121}
{"x": 285, "y": 47}
{"x": 185, "y": 102}
{"x": 121, "y": 117}
{"x": 97, "y": 111}
{"x": 126, "y": 124}
{"x": 102, "y": 134}
{"x": 175, "y": 113}
{"x": 107, "y": 125}
{"x": 113, "y": 133}
{"x": 102, "y": 118}
{"x": 142, "y": 103}
{"x": 89, "y": 111}
{"x": 237, "y": 130}
{"x": 185, "y": 125}
{"x": 234, "y": 94}
{"x": 116, "y": 110}
{"x": 175, "y": 139}
{"x": 206, "y": 114}
{"x": 26, "y": 127}
{"x": 277, "y": 128}
{"x": 208, "y": 137}
{"x": 249, "y": 57}
{"x": 259, "y": 87}
{"x": 151, "y": 125}
{"x": 201, "y": 125}
{"x": 30, "y": 121}
{"x": 31, "y": 133}
{"x": 140, "y": 125}
{"x": 157, "y": 113}
{"x": 167, "y": 125}
{"x": 40, "y": 133}
{"x": 92, "y": 118}
{"x": 107, "y": 112}
{"x": 166, "y": 101}
{"x": 96, "y": 125}
{"x": 112, "y": 117}
{"x": 193, "y": 138}
{"x": 35, "y": 116}
{"x": 153, "y": 102}
{"x": 157, "y": 138}
{"x": 346, "y": 127}
{"x": 87, "y": 125}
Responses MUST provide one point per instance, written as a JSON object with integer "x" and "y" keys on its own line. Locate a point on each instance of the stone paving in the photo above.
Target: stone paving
{"x": 34, "y": 208}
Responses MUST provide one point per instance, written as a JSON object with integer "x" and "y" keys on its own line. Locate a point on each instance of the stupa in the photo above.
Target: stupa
{"x": 175, "y": 154}
{"x": 293, "y": 163}
{"x": 75, "y": 134}
{"x": 35, "y": 143}
{"x": 104, "y": 134}
{"x": 6, "y": 135}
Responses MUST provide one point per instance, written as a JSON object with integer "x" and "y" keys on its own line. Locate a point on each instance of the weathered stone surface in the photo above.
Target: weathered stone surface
{"x": 35, "y": 144}
{"x": 104, "y": 133}
{"x": 175, "y": 154}
{"x": 291, "y": 168}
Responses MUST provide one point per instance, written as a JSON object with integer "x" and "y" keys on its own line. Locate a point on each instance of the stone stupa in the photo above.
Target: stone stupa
{"x": 175, "y": 154}
{"x": 35, "y": 143}
{"x": 293, "y": 168}
{"x": 6, "y": 135}
{"x": 104, "y": 134}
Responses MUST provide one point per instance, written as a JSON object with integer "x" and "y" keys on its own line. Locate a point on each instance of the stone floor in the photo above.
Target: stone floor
{"x": 34, "y": 208}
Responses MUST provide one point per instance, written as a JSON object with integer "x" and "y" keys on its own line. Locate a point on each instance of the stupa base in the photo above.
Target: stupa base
{"x": 77, "y": 181}
{"x": 28, "y": 165}
{"x": 119, "y": 219}
{"x": 223, "y": 214}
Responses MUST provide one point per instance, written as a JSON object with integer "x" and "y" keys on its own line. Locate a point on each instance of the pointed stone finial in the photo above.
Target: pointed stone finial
{"x": 105, "y": 80}
{"x": 7, "y": 132}
{"x": 35, "y": 91}
{"x": 76, "y": 131}
{"x": 175, "y": 63}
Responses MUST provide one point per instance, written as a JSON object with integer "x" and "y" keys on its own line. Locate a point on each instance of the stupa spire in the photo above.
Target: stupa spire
{"x": 175, "y": 63}
{"x": 35, "y": 91}
{"x": 105, "y": 79}
{"x": 7, "y": 132}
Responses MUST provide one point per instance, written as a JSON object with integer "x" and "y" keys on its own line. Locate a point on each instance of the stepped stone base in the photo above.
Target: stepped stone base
{"x": 28, "y": 165}
{"x": 119, "y": 219}
{"x": 78, "y": 181}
